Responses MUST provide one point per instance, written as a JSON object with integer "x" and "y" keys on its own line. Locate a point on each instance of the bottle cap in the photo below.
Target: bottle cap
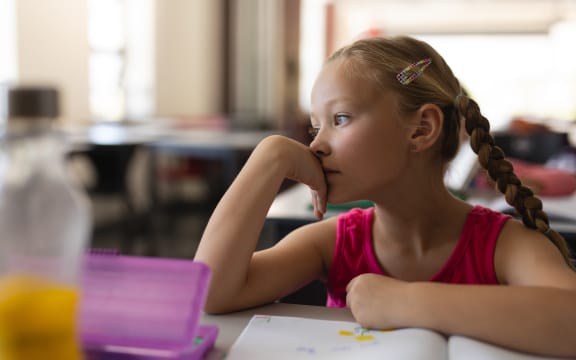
{"x": 32, "y": 101}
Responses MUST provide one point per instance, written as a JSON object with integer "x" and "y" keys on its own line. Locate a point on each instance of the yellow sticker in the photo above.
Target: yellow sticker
{"x": 364, "y": 337}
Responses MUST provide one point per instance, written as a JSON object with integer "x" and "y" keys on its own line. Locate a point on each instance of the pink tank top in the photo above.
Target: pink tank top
{"x": 471, "y": 262}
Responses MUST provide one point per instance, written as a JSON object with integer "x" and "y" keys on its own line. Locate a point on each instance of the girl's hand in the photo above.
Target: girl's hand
{"x": 377, "y": 301}
{"x": 301, "y": 165}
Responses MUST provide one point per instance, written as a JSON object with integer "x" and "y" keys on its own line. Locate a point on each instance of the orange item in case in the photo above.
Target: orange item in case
{"x": 37, "y": 320}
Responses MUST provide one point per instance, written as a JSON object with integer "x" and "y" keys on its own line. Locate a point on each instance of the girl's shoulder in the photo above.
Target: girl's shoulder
{"x": 484, "y": 226}
{"x": 525, "y": 256}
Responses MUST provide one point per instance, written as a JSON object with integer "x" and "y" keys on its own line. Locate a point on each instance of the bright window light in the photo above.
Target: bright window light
{"x": 121, "y": 66}
{"x": 527, "y": 73}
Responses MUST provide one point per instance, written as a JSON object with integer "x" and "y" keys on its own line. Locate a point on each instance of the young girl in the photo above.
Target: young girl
{"x": 386, "y": 115}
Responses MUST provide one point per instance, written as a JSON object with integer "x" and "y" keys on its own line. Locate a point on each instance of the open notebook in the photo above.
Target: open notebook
{"x": 293, "y": 338}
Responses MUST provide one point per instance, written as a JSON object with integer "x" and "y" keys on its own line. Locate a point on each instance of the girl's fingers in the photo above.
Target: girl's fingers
{"x": 321, "y": 195}
{"x": 319, "y": 204}
{"x": 314, "y": 199}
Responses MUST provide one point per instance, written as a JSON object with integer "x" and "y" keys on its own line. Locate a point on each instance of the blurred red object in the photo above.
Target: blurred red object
{"x": 543, "y": 180}
{"x": 520, "y": 125}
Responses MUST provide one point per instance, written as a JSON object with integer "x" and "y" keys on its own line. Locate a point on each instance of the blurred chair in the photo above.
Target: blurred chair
{"x": 109, "y": 180}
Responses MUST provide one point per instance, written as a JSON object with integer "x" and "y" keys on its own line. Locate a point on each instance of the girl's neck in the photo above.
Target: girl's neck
{"x": 414, "y": 243}
{"x": 417, "y": 224}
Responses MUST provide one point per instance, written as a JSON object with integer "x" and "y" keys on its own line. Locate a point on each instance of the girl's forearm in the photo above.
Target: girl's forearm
{"x": 531, "y": 319}
{"x": 232, "y": 232}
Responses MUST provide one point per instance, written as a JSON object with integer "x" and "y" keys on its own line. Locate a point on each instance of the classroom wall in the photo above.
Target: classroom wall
{"x": 188, "y": 57}
{"x": 51, "y": 47}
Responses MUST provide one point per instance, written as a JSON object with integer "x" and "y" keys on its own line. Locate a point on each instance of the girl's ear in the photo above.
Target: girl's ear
{"x": 428, "y": 127}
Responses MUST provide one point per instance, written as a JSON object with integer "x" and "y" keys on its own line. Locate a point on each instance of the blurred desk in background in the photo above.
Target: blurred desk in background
{"x": 224, "y": 149}
{"x": 232, "y": 148}
{"x": 214, "y": 155}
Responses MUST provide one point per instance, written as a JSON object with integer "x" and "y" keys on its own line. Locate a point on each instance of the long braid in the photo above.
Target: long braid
{"x": 501, "y": 171}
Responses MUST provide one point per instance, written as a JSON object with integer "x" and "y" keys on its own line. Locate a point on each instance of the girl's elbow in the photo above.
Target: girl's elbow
{"x": 214, "y": 310}
{"x": 214, "y": 305}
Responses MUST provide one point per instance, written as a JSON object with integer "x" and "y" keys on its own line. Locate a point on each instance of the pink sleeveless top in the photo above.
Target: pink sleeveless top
{"x": 471, "y": 262}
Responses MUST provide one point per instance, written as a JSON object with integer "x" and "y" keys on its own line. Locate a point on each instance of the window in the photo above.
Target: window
{"x": 121, "y": 66}
{"x": 514, "y": 63}
{"x": 525, "y": 75}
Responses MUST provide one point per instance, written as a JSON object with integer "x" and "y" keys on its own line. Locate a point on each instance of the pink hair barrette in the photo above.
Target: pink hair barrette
{"x": 412, "y": 71}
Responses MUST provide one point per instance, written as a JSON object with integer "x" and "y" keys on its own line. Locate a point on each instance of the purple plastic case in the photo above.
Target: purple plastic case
{"x": 144, "y": 308}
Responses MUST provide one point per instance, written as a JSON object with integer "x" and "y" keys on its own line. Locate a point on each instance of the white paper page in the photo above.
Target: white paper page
{"x": 462, "y": 348}
{"x": 292, "y": 338}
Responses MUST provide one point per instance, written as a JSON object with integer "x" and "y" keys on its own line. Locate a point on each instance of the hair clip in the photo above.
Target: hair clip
{"x": 412, "y": 71}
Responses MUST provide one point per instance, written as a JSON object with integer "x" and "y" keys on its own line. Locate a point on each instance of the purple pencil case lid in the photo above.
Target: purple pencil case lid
{"x": 144, "y": 308}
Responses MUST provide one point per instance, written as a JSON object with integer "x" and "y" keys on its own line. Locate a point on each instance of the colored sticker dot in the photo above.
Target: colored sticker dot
{"x": 364, "y": 337}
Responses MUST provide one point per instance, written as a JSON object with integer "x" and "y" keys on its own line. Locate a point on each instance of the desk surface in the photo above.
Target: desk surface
{"x": 162, "y": 134}
{"x": 231, "y": 325}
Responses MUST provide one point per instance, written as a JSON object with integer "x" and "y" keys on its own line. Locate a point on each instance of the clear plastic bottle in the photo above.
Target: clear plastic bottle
{"x": 44, "y": 230}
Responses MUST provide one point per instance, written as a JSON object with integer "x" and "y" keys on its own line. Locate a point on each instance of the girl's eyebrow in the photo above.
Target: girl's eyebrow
{"x": 330, "y": 103}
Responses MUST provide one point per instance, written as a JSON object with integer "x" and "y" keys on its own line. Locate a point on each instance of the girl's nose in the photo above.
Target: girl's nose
{"x": 320, "y": 146}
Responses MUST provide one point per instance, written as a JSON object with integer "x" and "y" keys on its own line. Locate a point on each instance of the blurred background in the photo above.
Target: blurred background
{"x": 164, "y": 99}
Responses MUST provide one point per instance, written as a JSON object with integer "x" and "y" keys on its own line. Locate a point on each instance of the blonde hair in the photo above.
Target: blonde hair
{"x": 381, "y": 59}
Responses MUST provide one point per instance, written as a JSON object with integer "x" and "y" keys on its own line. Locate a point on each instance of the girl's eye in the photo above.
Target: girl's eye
{"x": 313, "y": 131}
{"x": 341, "y": 119}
